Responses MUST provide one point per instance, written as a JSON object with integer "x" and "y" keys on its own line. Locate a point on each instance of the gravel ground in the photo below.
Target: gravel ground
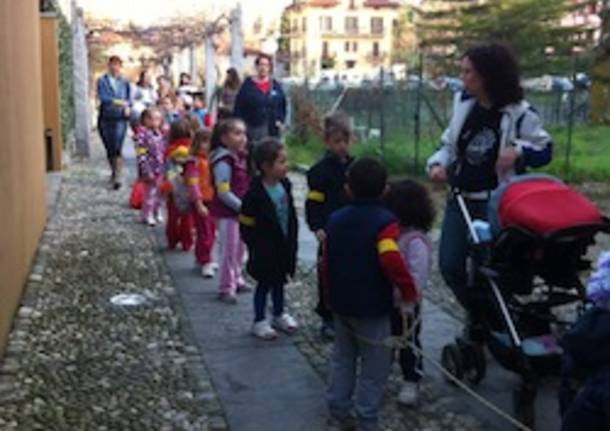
{"x": 75, "y": 361}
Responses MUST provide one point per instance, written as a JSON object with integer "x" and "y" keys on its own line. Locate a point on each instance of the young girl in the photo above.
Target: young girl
{"x": 411, "y": 203}
{"x": 179, "y": 218}
{"x": 150, "y": 146}
{"x": 269, "y": 228}
{"x": 230, "y": 171}
{"x": 204, "y": 223}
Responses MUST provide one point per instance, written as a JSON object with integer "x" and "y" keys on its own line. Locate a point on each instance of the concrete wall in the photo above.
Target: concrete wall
{"x": 50, "y": 89}
{"x": 22, "y": 156}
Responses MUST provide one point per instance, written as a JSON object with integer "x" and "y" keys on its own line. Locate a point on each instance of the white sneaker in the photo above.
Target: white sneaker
{"x": 263, "y": 330}
{"x": 409, "y": 394}
{"x": 285, "y": 323}
{"x": 214, "y": 266}
{"x": 160, "y": 218}
{"x": 150, "y": 221}
{"x": 207, "y": 271}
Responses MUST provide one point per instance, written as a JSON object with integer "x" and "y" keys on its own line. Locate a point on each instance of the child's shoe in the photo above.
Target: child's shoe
{"x": 214, "y": 266}
{"x": 285, "y": 323}
{"x": 263, "y": 330}
{"x": 409, "y": 394}
{"x": 207, "y": 271}
{"x": 150, "y": 221}
{"x": 243, "y": 287}
{"x": 159, "y": 218}
{"x": 227, "y": 298}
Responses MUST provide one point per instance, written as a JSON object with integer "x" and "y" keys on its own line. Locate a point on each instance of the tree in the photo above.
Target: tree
{"x": 532, "y": 28}
{"x": 404, "y": 44}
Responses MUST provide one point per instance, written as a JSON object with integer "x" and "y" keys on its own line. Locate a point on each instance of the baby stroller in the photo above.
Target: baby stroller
{"x": 523, "y": 270}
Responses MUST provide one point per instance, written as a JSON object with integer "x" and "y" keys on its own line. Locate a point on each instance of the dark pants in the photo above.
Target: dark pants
{"x": 113, "y": 134}
{"x": 260, "y": 299}
{"x": 454, "y": 247}
{"x": 411, "y": 363}
{"x": 322, "y": 308}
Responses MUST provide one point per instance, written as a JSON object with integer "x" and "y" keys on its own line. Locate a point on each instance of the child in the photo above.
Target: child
{"x": 269, "y": 228}
{"x": 231, "y": 181}
{"x": 200, "y": 110}
{"x": 150, "y": 146}
{"x": 204, "y": 223}
{"x": 363, "y": 263}
{"x": 411, "y": 204}
{"x": 179, "y": 217}
{"x": 166, "y": 106}
{"x": 326, "y": 181}
{"x": 585, "y": 384}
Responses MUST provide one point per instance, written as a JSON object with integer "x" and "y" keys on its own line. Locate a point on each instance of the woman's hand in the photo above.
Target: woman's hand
{"x": 321, "y": 235}
{"x": 438, "y": 174}
{"x": 506, "y": 159}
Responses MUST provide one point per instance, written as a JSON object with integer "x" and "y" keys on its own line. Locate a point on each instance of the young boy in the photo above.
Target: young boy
{"x": 326, "y": 181}
{"x": 585, "y": 385}
{"x": 362, "y": 266}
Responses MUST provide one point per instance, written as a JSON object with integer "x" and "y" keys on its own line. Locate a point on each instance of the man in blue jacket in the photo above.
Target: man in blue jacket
{"x": 114, "y": 94}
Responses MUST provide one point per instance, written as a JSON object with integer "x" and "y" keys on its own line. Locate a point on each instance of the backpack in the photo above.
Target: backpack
{"x": 180, "y": 192}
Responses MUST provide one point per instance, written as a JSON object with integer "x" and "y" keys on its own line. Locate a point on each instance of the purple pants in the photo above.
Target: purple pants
{"x": 151, "y": 201}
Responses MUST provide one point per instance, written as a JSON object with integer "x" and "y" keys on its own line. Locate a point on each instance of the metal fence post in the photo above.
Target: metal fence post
{"x": 381, "y": 112}
{"x": 417, "y": 114}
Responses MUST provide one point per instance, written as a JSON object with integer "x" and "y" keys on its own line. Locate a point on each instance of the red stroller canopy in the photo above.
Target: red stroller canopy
{"x": 545, "y": 205}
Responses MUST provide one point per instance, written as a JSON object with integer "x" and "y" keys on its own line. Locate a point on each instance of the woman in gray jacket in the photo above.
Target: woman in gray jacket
{"x": 493, "y": 134}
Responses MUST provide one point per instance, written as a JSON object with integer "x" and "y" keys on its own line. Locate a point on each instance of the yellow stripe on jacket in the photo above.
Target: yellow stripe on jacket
{"x": 387, "y": 246}
{"x": 247, "y": 220}
{"x": 223, "y": 187}
{"x": 316, "y": 196}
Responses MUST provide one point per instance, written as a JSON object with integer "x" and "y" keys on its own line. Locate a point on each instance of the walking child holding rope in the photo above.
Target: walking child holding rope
{"x": 362, "y": 265}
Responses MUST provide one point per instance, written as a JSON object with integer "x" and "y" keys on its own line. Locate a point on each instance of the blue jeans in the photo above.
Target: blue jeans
{"x": 260, "y": 299}
{"x": 454, "y": 246}
{"x": 112, "y": 134}
{"x": 374, "y": 369}
{"x": 590, "y": 409}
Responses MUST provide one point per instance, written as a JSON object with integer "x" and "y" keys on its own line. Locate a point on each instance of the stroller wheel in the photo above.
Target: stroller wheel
{"x": 476, "y": 363}
{"x": 451, "y": 359}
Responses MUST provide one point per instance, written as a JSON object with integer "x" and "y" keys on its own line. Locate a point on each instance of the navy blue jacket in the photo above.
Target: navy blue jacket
{"x": 271, "y": 254}
{"x": 106, "y": 94}
{"x": 257, "y": 108}
{"x": 358, "y": 286}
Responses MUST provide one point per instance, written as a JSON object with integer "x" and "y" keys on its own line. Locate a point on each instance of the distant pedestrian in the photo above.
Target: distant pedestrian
{"x": 205, "y": 225}
{"x": 114, "y": 94}
{"x": 150, "y": 148}
{"x": 227, "y": 94}
{"x": 261, "y": 103}
{"x": 231, "y": 181}
{"x": 145, "y": 96}
{"x": 269, "y": 228}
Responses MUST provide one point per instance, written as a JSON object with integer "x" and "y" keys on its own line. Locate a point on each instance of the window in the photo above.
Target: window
{"x": 304, "y": 24}
{"x": 350, "y": 64}
{"x": 375, "y": 49}
{"x": 351, "y": 25}
{"x": 377, "y": 25}
{"x": 352, "y": 4}
{"x": 295, "y": 25}
{"x": 346, "y": 46}
{"x": 325, "y": 49}
{"x": 326, "y": 23}
{"x": 354, "y": 46}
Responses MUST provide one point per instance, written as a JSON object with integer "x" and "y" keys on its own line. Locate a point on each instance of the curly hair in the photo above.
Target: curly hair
{"x": 499, "y": 70}
{"x": 411, "y": 203}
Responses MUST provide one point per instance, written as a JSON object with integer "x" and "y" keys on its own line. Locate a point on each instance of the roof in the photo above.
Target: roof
{"x": 381, "y": 3}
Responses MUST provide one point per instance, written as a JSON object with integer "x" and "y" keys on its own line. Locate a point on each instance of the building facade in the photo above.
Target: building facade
{"x": 340, "y": 35}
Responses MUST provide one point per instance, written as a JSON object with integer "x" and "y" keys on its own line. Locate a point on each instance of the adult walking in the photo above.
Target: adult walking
{"x": 261, "y": 103}
{"x": 227, "y": 94}
{"x": 145, "y": 95}
{"x": 493, "y": 134}
{"x": 114, "y": 94}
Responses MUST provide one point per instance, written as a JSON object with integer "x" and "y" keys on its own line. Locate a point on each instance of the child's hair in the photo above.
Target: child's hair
{"x": 338, "y": 123}
{"x": 202, "y": 135}
{"x": 267, "y": 151}
{"x": 367, "y": 178}
{"x": 179, "y": 129}
{"x": 411, "y": 203}
{"x": 193, "y": 121}
{"x": 147, "y": 113}
{"x": 222, "y": 128}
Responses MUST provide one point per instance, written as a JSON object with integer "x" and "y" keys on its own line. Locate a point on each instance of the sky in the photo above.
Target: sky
{"x": 146, "y": 12}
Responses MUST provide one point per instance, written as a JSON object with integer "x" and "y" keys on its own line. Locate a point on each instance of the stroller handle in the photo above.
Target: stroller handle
{"x": 457, "y": 193}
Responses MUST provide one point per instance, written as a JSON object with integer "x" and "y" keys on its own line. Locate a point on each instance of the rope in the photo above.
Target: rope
{"x": 406, "y": 340}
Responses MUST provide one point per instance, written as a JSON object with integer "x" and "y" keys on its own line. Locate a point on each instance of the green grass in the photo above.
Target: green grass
{"x": 589, "y": 160}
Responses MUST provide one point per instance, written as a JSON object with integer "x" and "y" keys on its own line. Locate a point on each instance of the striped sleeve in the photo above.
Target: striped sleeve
{"x": 393, "y": 264}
